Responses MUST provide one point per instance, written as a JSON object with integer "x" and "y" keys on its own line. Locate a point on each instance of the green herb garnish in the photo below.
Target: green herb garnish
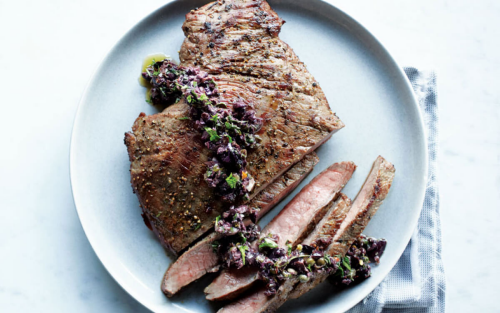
{"x": 289, "y": 246}
{"x": 212, "y": 133}
{"x": 202, "y": 97}
{"x": 242, "y": 249}
{"x": 345, "y": 262}
{"x": 341, "y": 273}
{"x": 230, "y": 126}
{"x": 232, "y": 181}
{"x": 268, "y": 243}
{"x": 184, "y": 118}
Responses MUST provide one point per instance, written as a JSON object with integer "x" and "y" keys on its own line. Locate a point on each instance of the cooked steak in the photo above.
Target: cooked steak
{"x": 201, "y": 259}
{"x": 364, "y": 206}
{"x": 297, "y": 219}
{"x": 257, "y": 301}
{"x": 236, "y": 42}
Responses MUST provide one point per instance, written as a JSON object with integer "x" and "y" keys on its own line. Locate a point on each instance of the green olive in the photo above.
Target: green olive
{"x": 321, "y": 261}
{"x": 292, "y": 271}
{"x": 303, "y": 278}
{"x": 310, "y": 261}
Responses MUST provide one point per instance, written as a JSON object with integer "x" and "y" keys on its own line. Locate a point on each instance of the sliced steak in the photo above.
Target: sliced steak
{"x": 201, "y": 259}
{"x": 257, "y": 301}
{"x": 236, "y": 42}
{"x": 366, "y": 204}
{"x": 297, "y": 219}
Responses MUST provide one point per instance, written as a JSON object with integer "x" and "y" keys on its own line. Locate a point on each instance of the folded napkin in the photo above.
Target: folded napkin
{"x": 416, "y": 283}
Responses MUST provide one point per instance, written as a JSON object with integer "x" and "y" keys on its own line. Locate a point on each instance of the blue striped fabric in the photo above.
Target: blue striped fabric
{"x": 417, "y": 283}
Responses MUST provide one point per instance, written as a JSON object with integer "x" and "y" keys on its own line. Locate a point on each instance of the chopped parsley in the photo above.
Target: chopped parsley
{"x": 202, "y": 97}
{"x": 268, "y": 243}
{"x": 232, "y": 180}
{"x": 242, "y": 249}
{"x": 212, "y": 133}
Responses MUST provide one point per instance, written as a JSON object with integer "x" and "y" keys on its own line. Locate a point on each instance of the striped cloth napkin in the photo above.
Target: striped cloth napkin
{"x": 417, "y": 283}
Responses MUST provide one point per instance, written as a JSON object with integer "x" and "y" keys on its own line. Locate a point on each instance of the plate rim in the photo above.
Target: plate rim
{"x": 389, "y": 58}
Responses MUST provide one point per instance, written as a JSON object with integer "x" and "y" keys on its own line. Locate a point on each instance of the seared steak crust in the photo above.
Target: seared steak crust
{"x": 236, "y": 42}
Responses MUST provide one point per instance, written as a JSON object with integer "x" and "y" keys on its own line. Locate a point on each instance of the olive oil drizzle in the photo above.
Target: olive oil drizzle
{"x": 148, "y": 60}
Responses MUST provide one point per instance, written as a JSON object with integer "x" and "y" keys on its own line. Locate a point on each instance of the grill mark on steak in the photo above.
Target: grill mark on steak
{"x": 200, "y": 259}
{"x": 293, "y": 223}
{"x": 166, "y": 154}
{"x": 257, "y": 301}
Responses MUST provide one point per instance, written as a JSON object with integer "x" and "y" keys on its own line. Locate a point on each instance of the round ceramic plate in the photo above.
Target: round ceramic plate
{"x": 364, "y": 86}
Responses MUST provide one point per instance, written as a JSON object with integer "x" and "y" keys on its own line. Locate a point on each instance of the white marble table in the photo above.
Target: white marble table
{"x": 48, "y": 52}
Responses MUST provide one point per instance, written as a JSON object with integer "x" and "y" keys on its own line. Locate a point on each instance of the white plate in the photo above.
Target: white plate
{"x": 363, "y": 85}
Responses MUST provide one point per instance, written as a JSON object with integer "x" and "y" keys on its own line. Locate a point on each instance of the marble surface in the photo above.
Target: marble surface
{"x": 48, "y": 52}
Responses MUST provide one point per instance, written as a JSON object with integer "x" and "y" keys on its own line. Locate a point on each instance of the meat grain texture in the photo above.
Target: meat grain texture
{"x": 236, "y": 42}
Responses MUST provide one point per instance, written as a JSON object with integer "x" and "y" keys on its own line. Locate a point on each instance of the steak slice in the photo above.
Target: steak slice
{"x": 297, "y": 219}
{"x": 284, "y": 185}
{"x": 328, "y": 226}
{"x": 201, "y": 259}
{"x": 236, "y": 42}
{"x": 364, "y": 206}
{"x": 257, "y": 301}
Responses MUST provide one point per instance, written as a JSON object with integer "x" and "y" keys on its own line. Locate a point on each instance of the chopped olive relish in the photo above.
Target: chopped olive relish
{"x": 225, "y": 131}
{"x": 355, "y": 266}
{"x": 276, "y": 264}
